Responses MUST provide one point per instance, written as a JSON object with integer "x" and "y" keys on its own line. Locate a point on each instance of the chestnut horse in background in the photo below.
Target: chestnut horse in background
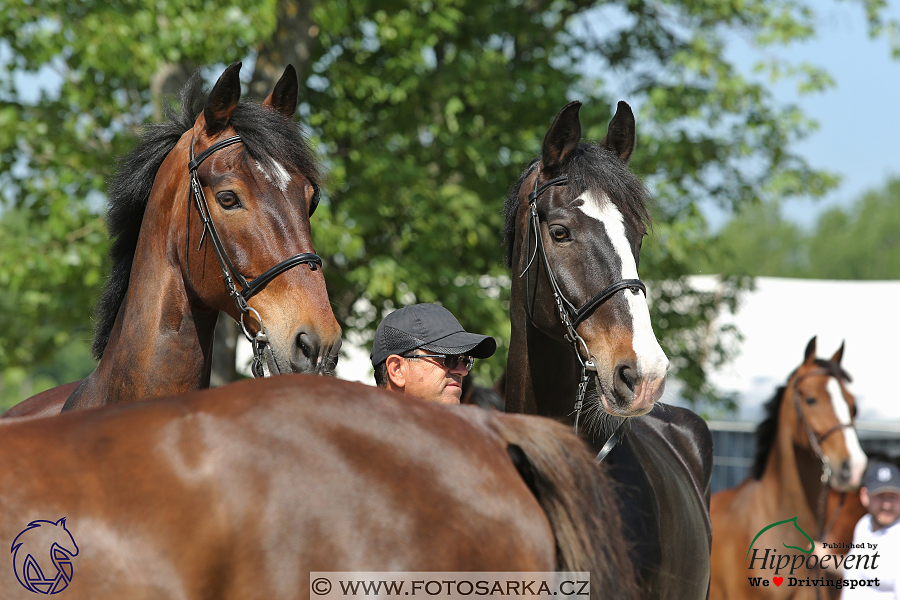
{"x": 582, "y": 342}
{"x": 209, "y": 213}
{"x": 807, "y": 448}
{"x": 241, "y": 491}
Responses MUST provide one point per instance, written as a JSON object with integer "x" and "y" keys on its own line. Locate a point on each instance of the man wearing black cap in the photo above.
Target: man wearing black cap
{"x": 421, "y": 350}
{"x": 877, "y": 532}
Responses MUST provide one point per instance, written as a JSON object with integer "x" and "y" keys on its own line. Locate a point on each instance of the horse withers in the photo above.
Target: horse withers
{"x": 583, "y": 350}
{"x": 209, "y": 213}
{"x": 243, "y": 490}
{"x": 807, "y": 456}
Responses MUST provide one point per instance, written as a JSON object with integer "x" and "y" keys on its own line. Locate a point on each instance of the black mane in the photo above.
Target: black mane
{"x": 766, "y": 431}
{"x": 267, "y": 136}
{"x": 592, "y": 168}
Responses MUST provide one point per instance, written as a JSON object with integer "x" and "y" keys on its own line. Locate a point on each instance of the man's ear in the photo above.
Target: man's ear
{"x": 864, "y": 497}
{"x": 396, "y": 372}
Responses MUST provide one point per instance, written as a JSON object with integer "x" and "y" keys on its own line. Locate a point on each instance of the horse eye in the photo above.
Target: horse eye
{"x": 559, "y": 233}
{"x": 811, "y": 400}
{"x": 228, "y": 200}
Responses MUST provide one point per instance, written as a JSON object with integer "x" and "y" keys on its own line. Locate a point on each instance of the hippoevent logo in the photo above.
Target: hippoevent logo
{"x": 778, "y": 564}
{"x": 42, "y": 556}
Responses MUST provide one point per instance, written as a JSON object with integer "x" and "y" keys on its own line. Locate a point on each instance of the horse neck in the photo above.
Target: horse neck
{"x": 542, "y": 372}
{"x": 161, "y": 342}
{"x": 793, "y": 471}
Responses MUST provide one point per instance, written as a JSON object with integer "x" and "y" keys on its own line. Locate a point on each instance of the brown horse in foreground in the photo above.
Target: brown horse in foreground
{"x": 175, "y": 251}
{"x": 241, "y": 491}
{"x": 807, "y": 455}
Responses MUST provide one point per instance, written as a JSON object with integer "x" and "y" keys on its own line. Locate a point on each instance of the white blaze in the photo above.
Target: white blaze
{"x": 651, "y": 360}
{"x": 277, "y": 175}
{"x": 857, "y": 457}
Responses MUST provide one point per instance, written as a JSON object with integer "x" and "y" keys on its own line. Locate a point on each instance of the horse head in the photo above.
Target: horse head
{"x": 247, "y": 250}
{"x": 581, "y": 217}
{"x": 818, "y": 408}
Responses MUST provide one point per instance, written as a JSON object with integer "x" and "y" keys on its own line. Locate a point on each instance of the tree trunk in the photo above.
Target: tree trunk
{"x": 291, "y": 44}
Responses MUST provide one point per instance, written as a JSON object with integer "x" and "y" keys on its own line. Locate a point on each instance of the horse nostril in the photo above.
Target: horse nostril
{"x": 308, "y": 350}
{"x": 845, "y": 470}
{"x": 627, "y": 373}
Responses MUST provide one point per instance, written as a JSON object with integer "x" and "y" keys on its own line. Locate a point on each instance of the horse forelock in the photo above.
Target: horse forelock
{"x": 269, "y": 139}
{"x": 593, "y": 169}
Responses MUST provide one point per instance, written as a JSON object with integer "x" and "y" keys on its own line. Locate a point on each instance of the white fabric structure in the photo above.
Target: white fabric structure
{"x": 778, "y": 319}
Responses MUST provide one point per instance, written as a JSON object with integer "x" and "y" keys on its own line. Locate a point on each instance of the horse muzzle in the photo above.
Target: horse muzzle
{"x": 626, "y": 393}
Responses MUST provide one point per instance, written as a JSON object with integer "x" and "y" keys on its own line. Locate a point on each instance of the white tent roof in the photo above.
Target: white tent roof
{"x": 777, "y": 321}
{"x": 779, "y": 318}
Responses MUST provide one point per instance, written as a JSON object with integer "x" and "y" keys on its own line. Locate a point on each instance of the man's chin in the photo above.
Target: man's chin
{"x": 450, "y": 395}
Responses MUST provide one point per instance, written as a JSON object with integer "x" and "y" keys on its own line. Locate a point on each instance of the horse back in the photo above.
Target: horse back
{"x": 49, "y": 402}
{"x": 664, "y": 466}
{"x": 244, "y": 490}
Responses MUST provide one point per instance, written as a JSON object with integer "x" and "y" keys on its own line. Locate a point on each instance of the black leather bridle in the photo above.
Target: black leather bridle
{"x": 815, "y": 442}
{"x": 263, "y": 355}
{"x": 570, "y": 316}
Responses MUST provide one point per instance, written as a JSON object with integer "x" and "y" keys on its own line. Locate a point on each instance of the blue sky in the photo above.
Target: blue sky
{"x": 859, "y": 135}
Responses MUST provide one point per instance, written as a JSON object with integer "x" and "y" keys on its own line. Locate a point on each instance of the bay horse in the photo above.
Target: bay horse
{"x": 806, "y": 446}
{"x": 243, "y": 490}
{"x": 582, "y": 342}
{"x": 209, "y": 213}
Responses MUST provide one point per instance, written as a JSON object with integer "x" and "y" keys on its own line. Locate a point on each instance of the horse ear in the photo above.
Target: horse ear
{"x": 838, "y": 355}
{"x": 562, "y": 140}
{"x": 223, "y": 100}
{"x": 284, "y": 97}
{"x": 810, "y": 354}
{"x": 620, "y": 138}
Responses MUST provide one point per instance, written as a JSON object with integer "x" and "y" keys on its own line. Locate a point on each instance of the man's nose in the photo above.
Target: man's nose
{"x": 460, "y": 369}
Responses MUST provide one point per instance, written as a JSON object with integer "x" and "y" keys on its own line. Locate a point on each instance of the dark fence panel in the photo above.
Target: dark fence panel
{"x": 734, "y": 445}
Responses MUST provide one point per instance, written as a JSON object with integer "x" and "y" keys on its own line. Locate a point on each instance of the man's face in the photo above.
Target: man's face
{"x": 429, "y": 379}
{"x": 884, "y": 508}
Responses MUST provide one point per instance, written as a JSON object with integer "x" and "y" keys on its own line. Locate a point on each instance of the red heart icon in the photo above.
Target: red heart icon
{"x": 778, "y": 580}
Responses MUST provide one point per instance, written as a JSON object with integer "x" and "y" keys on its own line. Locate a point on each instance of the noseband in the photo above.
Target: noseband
{"x": 570, "y": 316}
{"x": 263, "y": 355}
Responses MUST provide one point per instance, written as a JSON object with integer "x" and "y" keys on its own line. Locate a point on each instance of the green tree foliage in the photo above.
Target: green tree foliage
{"x": 758, "y": 241}
{"x": 425, "y": 111}
{"x": 861, "y": 241}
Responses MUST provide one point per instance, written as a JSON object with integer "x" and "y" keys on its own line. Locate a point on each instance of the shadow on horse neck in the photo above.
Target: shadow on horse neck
{"x": 211, "y": 213}
{"x": 575, "y": 220}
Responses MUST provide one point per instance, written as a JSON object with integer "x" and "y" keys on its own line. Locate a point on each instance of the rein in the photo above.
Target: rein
{"x": 263, "y": 355}
{"x": 570, "y": 316}
{"x": 815, "y": 442}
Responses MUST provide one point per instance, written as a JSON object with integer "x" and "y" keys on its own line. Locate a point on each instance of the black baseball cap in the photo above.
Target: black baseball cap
{"x": 882, "y": 477}
{"x": 429, "y": 327}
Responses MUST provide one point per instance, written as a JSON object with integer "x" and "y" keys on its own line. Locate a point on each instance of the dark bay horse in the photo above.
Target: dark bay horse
{"x": 209, "y": 213}
{"x": 241, "y": 491}
{"x": 806, "y": 448}
{"x": 583, "y": 350}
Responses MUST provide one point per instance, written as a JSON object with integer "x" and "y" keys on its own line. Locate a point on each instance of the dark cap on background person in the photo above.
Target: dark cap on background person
{"x": 428, "y": 327}
{"x": 882, "y": 477}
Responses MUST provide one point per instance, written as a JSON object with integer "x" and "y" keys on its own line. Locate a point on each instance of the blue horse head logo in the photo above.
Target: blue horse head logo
{"x": 42, "y": 556}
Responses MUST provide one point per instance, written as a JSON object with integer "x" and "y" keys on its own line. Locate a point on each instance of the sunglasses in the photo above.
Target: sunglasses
{"x": 450, "y": 361}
